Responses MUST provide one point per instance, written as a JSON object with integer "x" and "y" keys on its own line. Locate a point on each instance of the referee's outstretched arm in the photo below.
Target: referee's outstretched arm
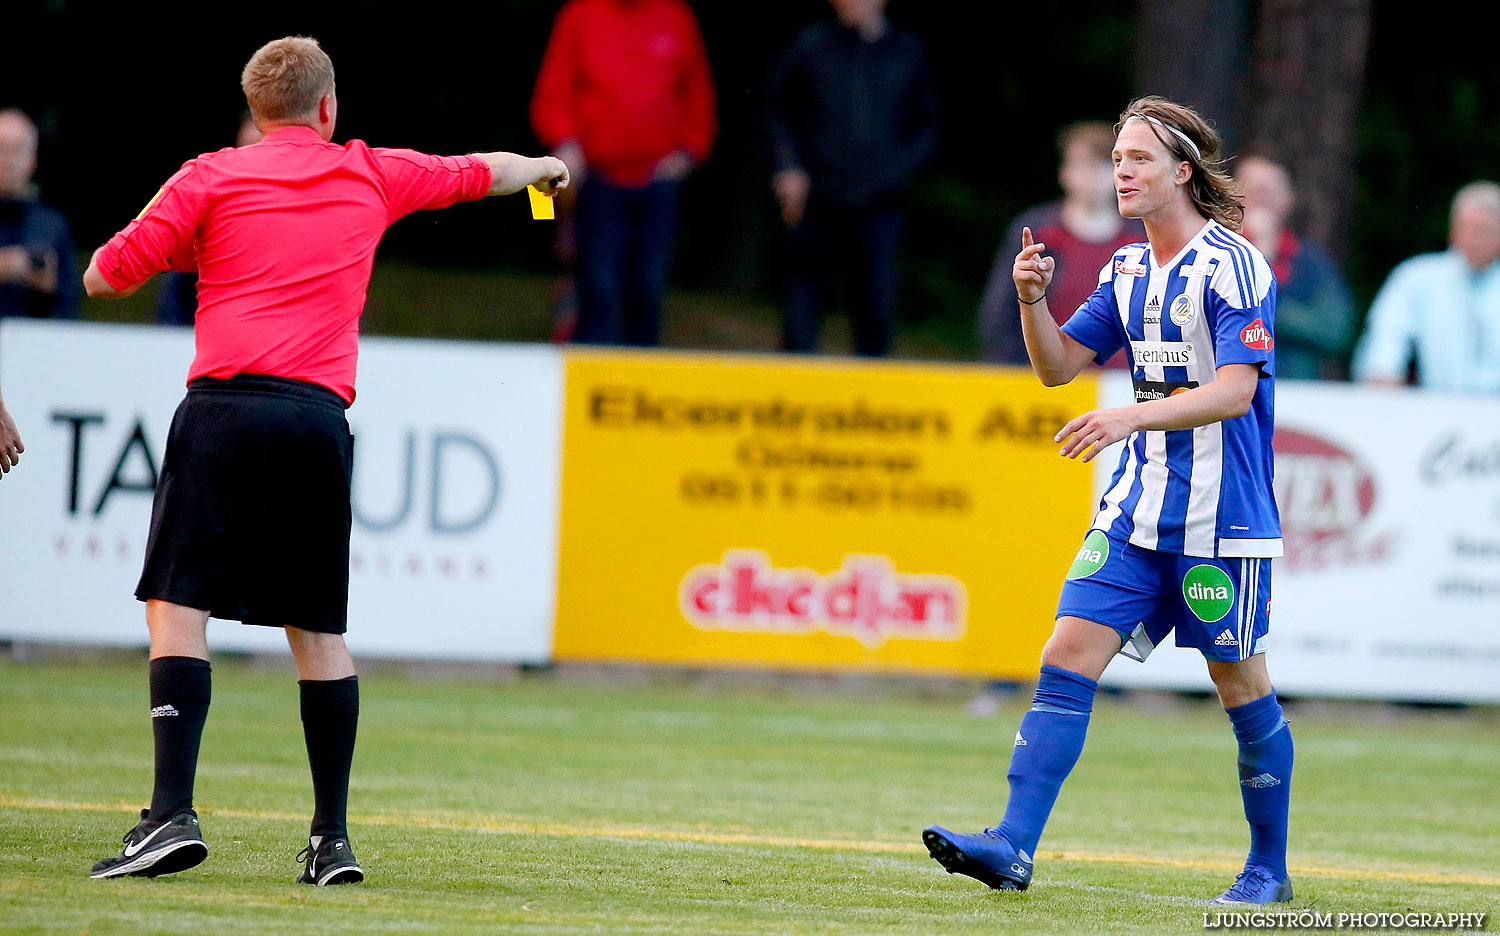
{"x": 509, "y": 173}
{"x": 289, "y": 86}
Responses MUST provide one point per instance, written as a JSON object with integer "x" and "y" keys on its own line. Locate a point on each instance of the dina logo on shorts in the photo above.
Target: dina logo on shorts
{"x": 1091, "y": 556}
{"x": 1208, "y": 591}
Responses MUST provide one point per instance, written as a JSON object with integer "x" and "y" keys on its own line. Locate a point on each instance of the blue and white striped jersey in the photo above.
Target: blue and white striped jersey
{"x": 1204, "y": 491}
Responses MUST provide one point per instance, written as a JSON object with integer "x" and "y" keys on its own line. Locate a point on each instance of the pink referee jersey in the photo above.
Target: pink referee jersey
{"x": 282, "y": 234}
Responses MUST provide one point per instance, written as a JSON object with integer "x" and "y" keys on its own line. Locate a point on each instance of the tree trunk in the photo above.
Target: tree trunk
{"x": 1308, "y": 68}
{"x": 1193, "y": 53}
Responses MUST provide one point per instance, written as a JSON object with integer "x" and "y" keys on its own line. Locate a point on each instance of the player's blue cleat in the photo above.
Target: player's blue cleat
{"x": 1256, "y": 886}
{"x": 986, "y": 857}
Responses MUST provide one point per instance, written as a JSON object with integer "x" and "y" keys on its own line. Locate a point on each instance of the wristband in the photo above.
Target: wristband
{"x": 1034, "y": 301}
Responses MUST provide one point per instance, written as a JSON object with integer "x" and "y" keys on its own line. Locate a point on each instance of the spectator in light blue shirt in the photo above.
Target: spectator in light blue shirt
{"x": 1444, "y": 308}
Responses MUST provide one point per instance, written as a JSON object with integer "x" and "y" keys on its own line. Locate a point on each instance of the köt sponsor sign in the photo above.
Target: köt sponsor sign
{"x": 455, "y": 477}
{"x": 788, "y": 512}
{"x": 1326, "y": 495}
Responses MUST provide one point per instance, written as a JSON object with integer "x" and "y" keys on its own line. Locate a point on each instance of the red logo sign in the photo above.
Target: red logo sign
{"x": 865, "y": 599}
{"x": 1130, "y": 270}
{"x": 1257, "y": 336}
{"x": 1325, "y": 495}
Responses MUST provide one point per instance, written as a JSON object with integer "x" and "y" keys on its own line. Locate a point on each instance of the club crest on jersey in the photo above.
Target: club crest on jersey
{"x": 1129, "y": 269}
{"x": 1257, "y": 336}
{"x": 1182, "y": 311}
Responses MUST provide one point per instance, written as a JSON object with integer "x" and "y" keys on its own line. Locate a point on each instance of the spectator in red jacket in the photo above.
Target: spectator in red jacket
{"x": 625, "y": 98}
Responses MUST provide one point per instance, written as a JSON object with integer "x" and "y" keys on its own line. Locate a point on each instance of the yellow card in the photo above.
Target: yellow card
{"x": 541, "y": 205}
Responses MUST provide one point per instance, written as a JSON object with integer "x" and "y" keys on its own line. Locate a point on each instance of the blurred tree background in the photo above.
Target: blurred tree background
{"x": 1382, "y": 114}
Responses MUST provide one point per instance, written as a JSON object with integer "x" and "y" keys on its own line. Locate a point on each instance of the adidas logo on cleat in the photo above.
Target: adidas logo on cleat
{"x": 1226, "y": 639}
{"x": 164, "y": 711}
{"x": 1261, "y": 781}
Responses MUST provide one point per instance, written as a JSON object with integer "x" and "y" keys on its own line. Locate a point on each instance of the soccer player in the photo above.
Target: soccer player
{"x": 1185, "y": 533}
{"x": 252, "y": 514}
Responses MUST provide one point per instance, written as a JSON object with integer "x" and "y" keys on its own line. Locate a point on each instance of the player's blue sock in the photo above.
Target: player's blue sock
{"x": 1265, "y": 779}
{"x": 1047, "y": 747}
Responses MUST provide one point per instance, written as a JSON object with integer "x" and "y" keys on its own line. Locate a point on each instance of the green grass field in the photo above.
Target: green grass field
{"x": 556, "y": 804}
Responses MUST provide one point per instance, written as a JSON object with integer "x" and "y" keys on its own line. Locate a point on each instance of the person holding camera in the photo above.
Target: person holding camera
{"x": 38, "y": 263}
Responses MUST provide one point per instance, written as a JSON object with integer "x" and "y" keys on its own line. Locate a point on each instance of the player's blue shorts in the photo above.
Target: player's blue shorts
{"x": 1221, "y": 607}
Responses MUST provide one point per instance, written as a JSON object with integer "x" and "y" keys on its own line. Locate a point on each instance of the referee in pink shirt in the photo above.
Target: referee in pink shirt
{"x": 252, "y": 514}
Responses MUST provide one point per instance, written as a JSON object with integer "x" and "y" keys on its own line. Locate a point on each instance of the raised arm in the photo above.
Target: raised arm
{"x": 509, "y": 173}
{"x": 1055, "y": 357}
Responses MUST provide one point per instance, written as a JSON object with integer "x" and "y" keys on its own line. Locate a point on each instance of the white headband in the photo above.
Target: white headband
{"x": 1175, "y": 132}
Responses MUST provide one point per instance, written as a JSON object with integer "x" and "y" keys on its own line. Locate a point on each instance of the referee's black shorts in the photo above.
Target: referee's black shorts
{"x": 252, "y": 515}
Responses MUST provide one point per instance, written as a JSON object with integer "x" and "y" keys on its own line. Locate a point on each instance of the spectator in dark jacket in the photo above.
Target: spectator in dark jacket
{"x": 1314, "y": 311}
{"x": 626, "y": 99}
{"x": 1082, "y": 232}
{"x": 851, "y": 117}
{"x": 38, "y": 262}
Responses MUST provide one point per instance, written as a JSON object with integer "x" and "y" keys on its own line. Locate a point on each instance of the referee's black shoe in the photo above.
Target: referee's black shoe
{"x": 329, "y": 860}
{"x": 153, "y": 848}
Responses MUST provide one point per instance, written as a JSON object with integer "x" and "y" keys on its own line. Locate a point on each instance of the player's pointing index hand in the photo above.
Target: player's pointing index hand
{"x": 1032, "y": 271}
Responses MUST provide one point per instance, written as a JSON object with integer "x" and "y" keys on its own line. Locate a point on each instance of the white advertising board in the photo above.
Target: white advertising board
{"x": 457, "y": 450}
{"x": 1390, "y": 587}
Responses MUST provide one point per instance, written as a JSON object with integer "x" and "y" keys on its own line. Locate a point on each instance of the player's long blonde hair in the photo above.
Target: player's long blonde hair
{"x": 1213, "y": 191}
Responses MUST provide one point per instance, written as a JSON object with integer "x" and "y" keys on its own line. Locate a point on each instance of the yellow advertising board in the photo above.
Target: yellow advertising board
{"x": 804, "y": 512}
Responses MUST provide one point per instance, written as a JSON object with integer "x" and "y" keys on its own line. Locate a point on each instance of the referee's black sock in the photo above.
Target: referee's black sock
{"x": 330, "y": 713}
{"x": 180, "y": 689}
